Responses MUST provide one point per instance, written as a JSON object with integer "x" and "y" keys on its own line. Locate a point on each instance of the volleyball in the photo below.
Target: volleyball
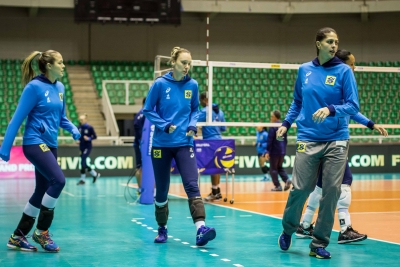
{"x": 224, "y": 157}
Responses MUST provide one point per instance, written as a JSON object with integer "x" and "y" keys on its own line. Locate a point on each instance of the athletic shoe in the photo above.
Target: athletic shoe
{"x": 287, "y": 185}
{"x": 320, "y": 253}
{"x": 205, "y": 234}
{"x": 277, "y": 189}
{"x": 350, "y": 235}
{"x": 265, "y": 178}
{"x": 81, "y": 182}
{"x": 95, "y": 177}
{"x": 285, "y": 241}
{"x": 305, "y": 232}
{"x": 20, "y": 243}
{"x": 45, "y": 241}
{"x": 162, "y": 235}
{"x": 214, "y": 197}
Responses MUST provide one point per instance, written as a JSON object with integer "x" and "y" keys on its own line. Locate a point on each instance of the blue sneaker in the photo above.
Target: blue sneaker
{"x": 320, "y": 253}
{"x": 205, "y": 234}
{"x": 20, "y": 243}
{"x": 45, "y": 241}
{"x": 285, "y": 241}
{"x": 162, "y": 236}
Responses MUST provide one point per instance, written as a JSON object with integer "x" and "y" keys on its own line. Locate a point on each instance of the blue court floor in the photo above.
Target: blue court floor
{"x": 94, "y": 226}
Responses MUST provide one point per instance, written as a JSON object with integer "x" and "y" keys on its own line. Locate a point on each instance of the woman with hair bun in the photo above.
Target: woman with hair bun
{"x": 172, "y": 105}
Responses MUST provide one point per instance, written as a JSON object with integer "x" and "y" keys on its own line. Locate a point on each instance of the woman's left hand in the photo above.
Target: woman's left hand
{"x": 320, "y": 115}
{"x": 190, "y": 133}
{"x": 381, "y": 130}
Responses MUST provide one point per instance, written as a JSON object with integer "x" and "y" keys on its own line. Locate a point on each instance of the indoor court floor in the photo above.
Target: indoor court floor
{"x": 94, "y": 226}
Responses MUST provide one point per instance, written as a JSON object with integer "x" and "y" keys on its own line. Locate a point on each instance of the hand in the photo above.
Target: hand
{"x": 381, "y": 130}
{"x": 171, "y": 129}
{"x": 320, "y": 115}
{"x": 4, "y": 157}
{"x": 86, "y": 138}
{"x": 266, "y": 156}
{"x": 190, "y": 133}
{"x": 76, "y": 135}
{"x": 279, "y": 134}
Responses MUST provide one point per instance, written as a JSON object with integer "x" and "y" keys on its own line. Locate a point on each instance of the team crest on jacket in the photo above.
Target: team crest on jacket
{"x": 188, "y": 93}
{"x": 330, "y": 80}
{"x": 61, "y": 95}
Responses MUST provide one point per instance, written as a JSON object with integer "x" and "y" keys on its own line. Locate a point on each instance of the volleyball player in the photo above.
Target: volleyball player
{"x": 276, "y": 151}
{"x": 325, "y": 96}
{"x": 347, "y": 233}
{"x": 261, "y": 146}
{"x": 43, "y": 102}
{"x": 85, "y": 146}
{"x": 212, "y": 133}
{"x": 172, "y": 106}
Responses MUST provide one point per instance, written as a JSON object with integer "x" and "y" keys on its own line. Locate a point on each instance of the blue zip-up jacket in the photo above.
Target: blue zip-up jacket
{"x": 86, "y": 130}
{"x": 360, "y": 118}
{"x": 138, "y": 122}
{"x": 43, "y": 103}
{"x": 261, "y": 142}
{"x": 331, "y": 85}
{"x": 175, "y": 103}
{"x": 274, "y": 146}
{"x": 212, "y": 132}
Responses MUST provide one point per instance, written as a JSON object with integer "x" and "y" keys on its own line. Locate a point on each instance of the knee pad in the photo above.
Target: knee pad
{"x": 264, "y": 169}
{"x": 197, "y": 210}
{"x": 25, "y": 225}
{"x": 46, "y": 216}
{"x": 314, "y": 198}
{"x": 162, "y": 213}
{"x": 345, "y": 197}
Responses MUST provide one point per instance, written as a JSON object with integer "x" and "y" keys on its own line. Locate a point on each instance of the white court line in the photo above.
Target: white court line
{"x": 238, "y": 265}
{"x": 68, "y": 193}
{"x": 219, "y": 216}
{"x": 284, "y": 201}
{"x": 137, "y": 218}
{"x": 245, "y": 215}
{"x": 185, "y": 243}
{"x": 214, "y": 255}
{"x": 270, "y": 216}
{"x": 225, "y": 260}
{"x": 360, "y": 213}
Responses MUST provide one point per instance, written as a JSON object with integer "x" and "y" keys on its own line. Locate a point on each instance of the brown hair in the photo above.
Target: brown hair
{"x": 321, "y": 35}
{"x": 176, "y": 51}
{"x": 44, "y": 58}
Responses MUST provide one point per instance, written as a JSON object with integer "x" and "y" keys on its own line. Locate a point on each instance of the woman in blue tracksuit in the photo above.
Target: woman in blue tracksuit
{"x": 347, "y": 233}
{"x": 172, "y": 106}
{"x": 85, "y": 146}
{"x": 261, "y": 146}
{"x": 325, "y": 96}
{"x": 43, "y": 102}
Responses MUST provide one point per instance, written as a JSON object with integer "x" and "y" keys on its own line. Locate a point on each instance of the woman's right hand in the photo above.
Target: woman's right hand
{"x": 4, "y": 156}
{"x": 279, "y": 134}
{"x": 171, "y": 128}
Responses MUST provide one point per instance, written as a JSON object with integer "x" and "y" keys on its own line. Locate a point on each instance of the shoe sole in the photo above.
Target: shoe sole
{"x": 313, "y": 254}
{"x": 22, "y": 249}
{"x": 210, "y": 235}
{"x": 353, "y": 240}
{"x": 303, "y": 236}
{"x": 279, "y": 243}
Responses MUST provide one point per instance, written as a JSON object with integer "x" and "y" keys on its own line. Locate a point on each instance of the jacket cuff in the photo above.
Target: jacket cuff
{"x": 192, "y": 128}
{"x": 166, "y": 129}
{"x": 332, "y": 111}
{"x": 371, "y": 125}
{"x": 286, "y": 124}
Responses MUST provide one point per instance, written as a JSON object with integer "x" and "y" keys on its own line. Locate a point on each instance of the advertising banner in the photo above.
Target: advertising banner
{"x": 18, "y": 166}
{"x": 213, "y": 156}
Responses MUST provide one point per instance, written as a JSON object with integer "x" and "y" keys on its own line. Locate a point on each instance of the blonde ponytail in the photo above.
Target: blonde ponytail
{"x": 27, "y": 70}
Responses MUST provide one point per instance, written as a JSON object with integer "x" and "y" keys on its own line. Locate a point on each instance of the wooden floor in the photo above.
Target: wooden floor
{"x": 375, "y": 207}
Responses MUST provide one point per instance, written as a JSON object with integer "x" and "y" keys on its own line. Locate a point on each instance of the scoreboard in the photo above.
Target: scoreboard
{"x": 129, "y": 11}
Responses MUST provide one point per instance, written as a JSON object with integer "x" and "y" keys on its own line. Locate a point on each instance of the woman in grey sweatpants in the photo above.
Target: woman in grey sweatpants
{"x": 325, "y": 95}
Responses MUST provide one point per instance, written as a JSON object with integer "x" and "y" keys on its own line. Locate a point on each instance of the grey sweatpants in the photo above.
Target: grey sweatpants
{"x": 309, "y": 156}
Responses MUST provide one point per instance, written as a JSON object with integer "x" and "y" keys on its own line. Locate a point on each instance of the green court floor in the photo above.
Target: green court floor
{"x": 95, "y": 227}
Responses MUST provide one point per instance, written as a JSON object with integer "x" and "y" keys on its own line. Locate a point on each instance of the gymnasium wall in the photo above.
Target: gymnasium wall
{"x": 233, "y": 37}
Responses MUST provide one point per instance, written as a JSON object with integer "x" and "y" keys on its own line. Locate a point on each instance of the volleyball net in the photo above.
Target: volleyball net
{"x": 248, "y": 92}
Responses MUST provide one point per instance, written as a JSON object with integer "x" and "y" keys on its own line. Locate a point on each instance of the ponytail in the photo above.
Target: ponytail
{"x": 28, "y": 72}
